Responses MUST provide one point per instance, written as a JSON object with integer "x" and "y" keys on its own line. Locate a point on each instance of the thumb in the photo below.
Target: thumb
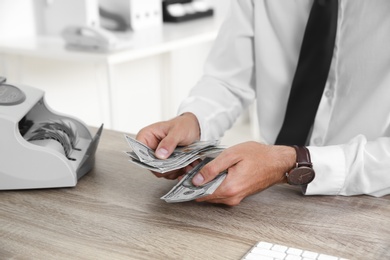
{"x": 166, "y": 146}
{"x": 208, "y": 172}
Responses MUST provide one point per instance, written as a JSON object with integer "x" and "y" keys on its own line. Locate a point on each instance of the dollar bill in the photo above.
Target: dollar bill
{"x": 169, "y": 168}
{"x": 186, "y": 191}
{"x": 143, "y": 152}
{"x": 144, "y": 156}
{"x": 182, "y": 156}
{"x": 59, "y": 131}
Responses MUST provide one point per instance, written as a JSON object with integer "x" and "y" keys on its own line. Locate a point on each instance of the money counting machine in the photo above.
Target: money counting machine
{"x": 40, "y": 148}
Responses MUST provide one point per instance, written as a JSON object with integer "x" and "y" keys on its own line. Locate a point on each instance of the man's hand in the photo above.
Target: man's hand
{"x": 163, "y": 137}
{"x": 252, "y": 167}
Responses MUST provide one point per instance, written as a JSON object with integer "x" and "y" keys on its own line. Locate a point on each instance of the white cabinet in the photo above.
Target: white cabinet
{"x": 127, "y": 89}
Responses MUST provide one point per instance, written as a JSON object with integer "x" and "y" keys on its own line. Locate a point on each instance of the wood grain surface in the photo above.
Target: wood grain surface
{"x": 115, "y": 212}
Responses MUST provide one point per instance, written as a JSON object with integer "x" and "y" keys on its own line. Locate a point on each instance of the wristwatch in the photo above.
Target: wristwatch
{"x": 303, "y": 172}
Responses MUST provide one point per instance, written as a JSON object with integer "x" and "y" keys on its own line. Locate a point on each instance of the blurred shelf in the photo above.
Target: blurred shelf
{"x": 144, "y": 43}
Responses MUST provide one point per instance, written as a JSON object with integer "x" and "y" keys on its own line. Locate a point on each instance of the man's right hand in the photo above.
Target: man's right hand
{"x": 164, "y": 137}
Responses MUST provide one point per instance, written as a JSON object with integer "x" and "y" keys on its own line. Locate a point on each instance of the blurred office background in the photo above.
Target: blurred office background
{"x": 128, "y": 88}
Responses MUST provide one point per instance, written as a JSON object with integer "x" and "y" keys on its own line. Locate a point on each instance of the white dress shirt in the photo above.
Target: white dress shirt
{"x": 255, "y": 57}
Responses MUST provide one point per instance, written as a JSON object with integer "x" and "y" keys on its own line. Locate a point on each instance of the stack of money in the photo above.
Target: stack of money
{"x": 184, "y": 190}
{"x": 60, "y": 131}
{"x": 182, "y": 156}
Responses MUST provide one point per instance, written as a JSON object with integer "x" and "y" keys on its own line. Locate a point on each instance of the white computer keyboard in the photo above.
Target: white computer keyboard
{"x": 269, "y": 251}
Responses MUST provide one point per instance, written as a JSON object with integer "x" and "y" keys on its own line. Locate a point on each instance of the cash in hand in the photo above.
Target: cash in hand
{"x": 182, "y": 156}
{"x": 184, "y": 190}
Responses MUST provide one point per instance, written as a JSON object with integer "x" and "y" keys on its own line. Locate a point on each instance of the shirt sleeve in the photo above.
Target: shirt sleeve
{"x": 358, "y": 167}
{"x": 227, "y": 86}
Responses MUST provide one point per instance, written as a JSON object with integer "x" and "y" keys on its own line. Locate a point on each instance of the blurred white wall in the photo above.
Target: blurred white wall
{"x": 146, "y": 90}
{"x": 17, "y": 18}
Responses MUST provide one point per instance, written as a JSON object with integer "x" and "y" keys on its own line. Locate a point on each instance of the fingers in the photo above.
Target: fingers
{"x": 164, "y": 137}
{"x": 167, "y": 145}
{"x": 176, "y": 174}
{"x": 218, "y": 198}
{"x": 227, "y": 193}
{"x": 151, "y": 135}
{"x": 170, "y": 175}
{"x": 221, "y": 163}
{"x": 183, "y": 130}
{"x": 161, "y": 137}
{"x": 225, "y": 201}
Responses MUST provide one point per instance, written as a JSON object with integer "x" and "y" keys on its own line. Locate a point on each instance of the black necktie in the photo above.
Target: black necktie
{"x": 311, "y": 73}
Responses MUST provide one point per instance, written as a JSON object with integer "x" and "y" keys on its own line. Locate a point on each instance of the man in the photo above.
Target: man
{"x": 255, "y": 57}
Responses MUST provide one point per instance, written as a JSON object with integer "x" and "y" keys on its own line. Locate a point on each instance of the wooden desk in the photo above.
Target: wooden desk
{"x": 115, "y": 212}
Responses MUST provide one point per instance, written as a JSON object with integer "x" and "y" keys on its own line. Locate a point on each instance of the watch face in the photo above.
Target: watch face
{"x": 300, "y": 176}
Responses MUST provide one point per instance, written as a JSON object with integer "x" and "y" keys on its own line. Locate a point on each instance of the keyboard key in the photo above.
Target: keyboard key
{"x": 252, "y": 256}
{"x": 293, "y": 257}
{"x": 264, "y": 245}
{"x": 326, "y": 257}
{"x": 294, "y": 251}
{"x": 310, "y": 254}
{"x": 268, "y": 251}
{"x": 279, "y": 248}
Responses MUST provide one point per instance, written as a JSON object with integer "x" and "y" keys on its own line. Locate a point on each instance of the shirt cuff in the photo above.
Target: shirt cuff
{"x": 201, "y": 108}
{"x": 329, "y": 166}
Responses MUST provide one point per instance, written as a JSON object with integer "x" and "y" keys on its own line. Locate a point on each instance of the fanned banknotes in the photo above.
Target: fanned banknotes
{"x": 182, "y": 156}
{"x": 61, "y": 131}
{"x": 186, "y": 191}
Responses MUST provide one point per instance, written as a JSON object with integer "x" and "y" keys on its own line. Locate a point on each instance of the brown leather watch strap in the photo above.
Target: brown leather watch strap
{"x": 303, "y": 159}
{"x": 303, "y": 156}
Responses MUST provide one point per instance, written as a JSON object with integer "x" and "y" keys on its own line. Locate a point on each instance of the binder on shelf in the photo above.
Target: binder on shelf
{"x": 185, "y": 10}
{"x": 137, "y": 14}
